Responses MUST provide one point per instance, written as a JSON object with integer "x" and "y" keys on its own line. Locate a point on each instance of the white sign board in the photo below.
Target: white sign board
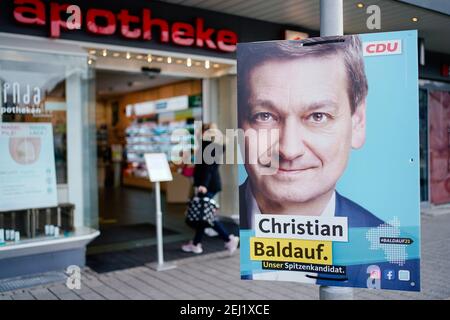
{"x": 158, "y": 106}
{"x": 158, "y": 167}
{"x": 172, "y": 104}
{"x": 27, "y": 166}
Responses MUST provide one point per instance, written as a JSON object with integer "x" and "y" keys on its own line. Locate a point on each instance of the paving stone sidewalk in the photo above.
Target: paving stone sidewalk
{"x": 216, "y": 276}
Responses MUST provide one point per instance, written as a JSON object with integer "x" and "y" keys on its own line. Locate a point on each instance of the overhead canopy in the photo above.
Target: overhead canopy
{"x": 433, "y": 22}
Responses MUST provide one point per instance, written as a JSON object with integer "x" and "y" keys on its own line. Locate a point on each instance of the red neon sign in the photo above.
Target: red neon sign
{"x": 105, "y": 22}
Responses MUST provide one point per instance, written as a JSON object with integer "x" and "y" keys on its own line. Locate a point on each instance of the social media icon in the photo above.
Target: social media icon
{"x": 389, "y": 274}
{"x": 403, "y": 275}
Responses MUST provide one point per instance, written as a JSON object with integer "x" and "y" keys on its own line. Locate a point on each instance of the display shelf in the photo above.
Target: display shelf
{"x": 153, "y": 134}
{"x": 22, "y": 225}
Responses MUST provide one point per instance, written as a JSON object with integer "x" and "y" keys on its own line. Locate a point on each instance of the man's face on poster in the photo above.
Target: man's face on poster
{"x": 307, "y": 100}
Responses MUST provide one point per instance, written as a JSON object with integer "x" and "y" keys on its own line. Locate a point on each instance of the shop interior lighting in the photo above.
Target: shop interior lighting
{"x": 128, "y": 55}
{"x": 415, "y": 19}
{"x": 360, "y": 5}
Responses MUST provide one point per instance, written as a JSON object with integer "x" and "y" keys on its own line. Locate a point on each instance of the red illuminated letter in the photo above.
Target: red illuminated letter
{"x": 38, "y": 12}
{"x": 204, "y": 36}
{"x": 148, "y": 23}
{"x": 226, "y": 40}
{"x": 91, "y": 22}
{"x": 55, "y": 19}
{"x": 125, "y": 20}
{"x": 183, "y": 34}
{"x": 445, "y": 70}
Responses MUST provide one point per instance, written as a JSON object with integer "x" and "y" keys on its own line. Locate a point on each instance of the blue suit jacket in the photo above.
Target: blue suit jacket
{"x": 357, "y": 215}
{"x": 356, "y": 275}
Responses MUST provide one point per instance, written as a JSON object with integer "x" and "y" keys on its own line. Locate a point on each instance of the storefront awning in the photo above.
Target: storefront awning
{"x": 395, "y": 15}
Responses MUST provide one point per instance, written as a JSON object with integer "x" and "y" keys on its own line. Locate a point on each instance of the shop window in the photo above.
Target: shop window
{"x": 34, "y": 170}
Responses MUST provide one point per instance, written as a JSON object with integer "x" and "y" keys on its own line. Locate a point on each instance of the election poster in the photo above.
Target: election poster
{"x": 27, "y": 166}
{"x": 329, "y": 173}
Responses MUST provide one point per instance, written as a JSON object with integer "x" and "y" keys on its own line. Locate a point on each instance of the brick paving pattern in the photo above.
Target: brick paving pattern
{"x": 216, "y": 276}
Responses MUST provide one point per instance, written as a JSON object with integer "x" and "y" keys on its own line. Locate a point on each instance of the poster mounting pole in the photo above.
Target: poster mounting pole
{"x": 332, "y": 24}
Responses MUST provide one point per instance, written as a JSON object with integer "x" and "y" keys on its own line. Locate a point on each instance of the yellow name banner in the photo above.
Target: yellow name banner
{"x": 290, "y": 250}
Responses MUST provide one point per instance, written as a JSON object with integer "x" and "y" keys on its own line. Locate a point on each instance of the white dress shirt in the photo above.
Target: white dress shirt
{"x": 299, "y": 276}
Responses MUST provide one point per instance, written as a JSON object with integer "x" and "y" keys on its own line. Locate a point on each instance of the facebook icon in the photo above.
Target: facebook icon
{"x": 389, "y": 274}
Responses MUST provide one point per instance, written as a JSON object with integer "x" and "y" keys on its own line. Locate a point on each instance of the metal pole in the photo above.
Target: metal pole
{"x": 159, "y": 234}
{"x": 160, "y": 266}
{"x": 332, "y": 24}
{"x": 331, "y": 18}
{"x": 335, "y": 293}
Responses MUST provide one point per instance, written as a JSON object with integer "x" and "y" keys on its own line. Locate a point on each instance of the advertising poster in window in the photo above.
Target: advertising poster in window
{"x": 27, "y": 166}
{"x": 329, "y": 185}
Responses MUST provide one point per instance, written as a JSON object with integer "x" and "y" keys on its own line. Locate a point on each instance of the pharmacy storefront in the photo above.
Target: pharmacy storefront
{"x": 82, "y": 89}
{"x": 47, "y": 203}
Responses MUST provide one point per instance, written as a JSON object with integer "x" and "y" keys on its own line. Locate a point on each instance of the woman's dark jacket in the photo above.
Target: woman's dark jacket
{"x": 207, "y": 175}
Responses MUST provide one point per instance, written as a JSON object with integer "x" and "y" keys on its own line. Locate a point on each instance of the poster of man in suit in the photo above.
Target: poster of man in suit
{"x": 338, "y": 204}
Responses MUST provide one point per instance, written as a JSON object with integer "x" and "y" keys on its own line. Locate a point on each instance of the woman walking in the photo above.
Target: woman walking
{"x": 207, "y": 184}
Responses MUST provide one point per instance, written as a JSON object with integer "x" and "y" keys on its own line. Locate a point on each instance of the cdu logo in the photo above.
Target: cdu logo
{"x": 74, "y": 277}
{"x": 382, "y": 48}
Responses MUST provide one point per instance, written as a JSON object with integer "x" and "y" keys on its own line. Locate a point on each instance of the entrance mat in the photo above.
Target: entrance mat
{"x": 119, "y": 234}
{"x": 119, "y": 260}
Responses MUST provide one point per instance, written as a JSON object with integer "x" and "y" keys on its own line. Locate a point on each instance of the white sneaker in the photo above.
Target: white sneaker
{"x": 232, "y": 245}
{"x": 189, "y": 247}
